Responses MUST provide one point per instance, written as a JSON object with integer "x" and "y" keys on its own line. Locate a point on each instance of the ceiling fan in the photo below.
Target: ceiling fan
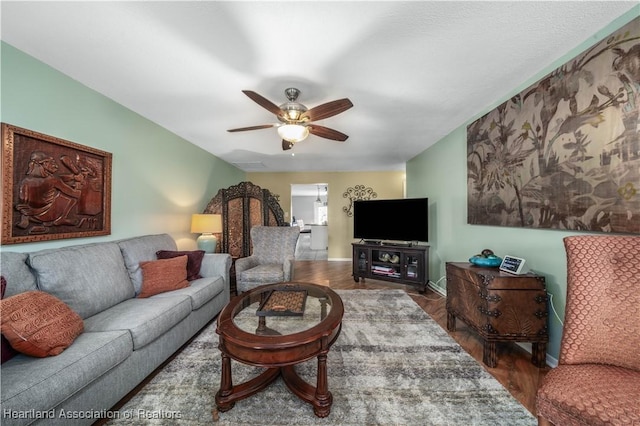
{"x": 296, "y": 120}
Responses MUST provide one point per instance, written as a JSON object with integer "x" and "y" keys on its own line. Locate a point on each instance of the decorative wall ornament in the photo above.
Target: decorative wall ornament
{"x": 565, "y": 152}
{"x": 358, "y": 192}
{"x": 52, "y": 189}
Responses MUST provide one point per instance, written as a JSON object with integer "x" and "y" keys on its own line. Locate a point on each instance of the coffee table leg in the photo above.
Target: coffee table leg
{"x": 262, "y": 325}
{"x": 323, "y": 307}
{"x": 323, "y": 398}
{"x": 226, "y": 385}
{"x": 262, "y": 321}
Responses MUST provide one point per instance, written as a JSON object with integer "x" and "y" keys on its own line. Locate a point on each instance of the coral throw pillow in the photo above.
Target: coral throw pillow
{"x": 163, "y": 275}
{"x": 39, "y": 324}
{"x": 194, "y": 261}
{"x": 6, "y": 350}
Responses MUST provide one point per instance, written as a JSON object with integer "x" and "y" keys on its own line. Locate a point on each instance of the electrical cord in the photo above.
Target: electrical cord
{"x": 435, "y": 291}
{"x": 554, "y": 309}
{"x": 441, "y": 278}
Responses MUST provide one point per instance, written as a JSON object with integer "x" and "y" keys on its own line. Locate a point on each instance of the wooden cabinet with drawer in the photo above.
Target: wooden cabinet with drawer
{"x": 500, "y": 307}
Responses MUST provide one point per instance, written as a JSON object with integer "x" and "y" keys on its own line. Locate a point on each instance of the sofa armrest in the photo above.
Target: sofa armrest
{"x": 215, "y": 265}
{"x": 245, "y": 263}
{"x": 289, "y": 264}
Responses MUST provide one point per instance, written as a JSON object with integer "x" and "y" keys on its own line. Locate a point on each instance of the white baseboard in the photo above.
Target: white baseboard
{"x": 339, "y": 259}
{"x": 441, "y": 291}
{"x": 551, "y": 361}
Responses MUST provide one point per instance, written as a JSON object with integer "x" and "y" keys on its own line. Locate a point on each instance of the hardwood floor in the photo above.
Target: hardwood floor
{"x": 514, "y": 370}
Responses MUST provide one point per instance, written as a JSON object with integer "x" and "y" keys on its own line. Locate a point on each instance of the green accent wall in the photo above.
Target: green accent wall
{"x": 158, "y": 180}
{"x": 440, "y": 173}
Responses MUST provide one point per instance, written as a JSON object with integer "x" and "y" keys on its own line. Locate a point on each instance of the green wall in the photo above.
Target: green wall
{"x": 440, "y": 173}
{"x": 158, "y": 178}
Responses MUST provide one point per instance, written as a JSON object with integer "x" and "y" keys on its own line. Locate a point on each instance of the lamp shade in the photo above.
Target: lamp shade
{"x": 206, "y": 223}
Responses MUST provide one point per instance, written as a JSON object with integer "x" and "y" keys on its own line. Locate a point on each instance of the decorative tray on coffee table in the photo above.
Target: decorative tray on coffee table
{"x": 283, "y": 303}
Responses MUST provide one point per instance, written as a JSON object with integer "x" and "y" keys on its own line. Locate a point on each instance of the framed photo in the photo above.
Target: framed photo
{"x": 52, "y": 188}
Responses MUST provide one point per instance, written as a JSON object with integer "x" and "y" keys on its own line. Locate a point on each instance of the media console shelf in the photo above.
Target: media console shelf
{"x": 402, "y": 264}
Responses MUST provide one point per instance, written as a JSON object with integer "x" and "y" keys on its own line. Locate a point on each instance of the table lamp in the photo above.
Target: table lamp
{"x": 207, "y": 225}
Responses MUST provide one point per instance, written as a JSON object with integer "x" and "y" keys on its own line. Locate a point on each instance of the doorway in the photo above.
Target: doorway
{"x": 309, "y": 212}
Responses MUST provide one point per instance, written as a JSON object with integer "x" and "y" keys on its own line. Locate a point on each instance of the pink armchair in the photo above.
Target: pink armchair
{"x": 597, "y": 380}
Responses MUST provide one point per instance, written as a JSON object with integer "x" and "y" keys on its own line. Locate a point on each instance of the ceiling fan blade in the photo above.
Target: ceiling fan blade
{"x": 243, "y": 129}
{"x": 263, "y": 102}
{"x": 327, "y": 133}
{"x": 286, "y": 145}
{"x": 327, "y": 110}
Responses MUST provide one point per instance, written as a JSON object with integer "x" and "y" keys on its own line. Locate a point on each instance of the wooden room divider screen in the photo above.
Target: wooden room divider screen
{"x": 243, "y": 206}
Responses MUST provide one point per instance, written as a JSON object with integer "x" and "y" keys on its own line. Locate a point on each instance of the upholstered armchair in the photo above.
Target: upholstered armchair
{"x": 597, "y": 380}
{"x": 272, "y": 259}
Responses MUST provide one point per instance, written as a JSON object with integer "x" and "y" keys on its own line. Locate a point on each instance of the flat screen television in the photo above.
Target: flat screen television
{"x": 404, "y": 219}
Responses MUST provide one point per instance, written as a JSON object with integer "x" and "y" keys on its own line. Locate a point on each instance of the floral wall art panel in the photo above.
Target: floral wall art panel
{"x": 565, "y": 152}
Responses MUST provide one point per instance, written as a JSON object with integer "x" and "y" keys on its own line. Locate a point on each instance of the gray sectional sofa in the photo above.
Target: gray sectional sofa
{"x": 125, "y": 338}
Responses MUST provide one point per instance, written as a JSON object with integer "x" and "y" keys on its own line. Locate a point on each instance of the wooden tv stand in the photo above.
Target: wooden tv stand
{"x": 399, "y": 263}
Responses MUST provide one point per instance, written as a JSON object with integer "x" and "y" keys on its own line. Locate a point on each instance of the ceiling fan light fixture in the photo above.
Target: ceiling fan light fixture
{"x": 293, "y": 132}
{"x": 295, "y": 118}
{"x": 292, "y": 111}
{"x": 293, "y": 114}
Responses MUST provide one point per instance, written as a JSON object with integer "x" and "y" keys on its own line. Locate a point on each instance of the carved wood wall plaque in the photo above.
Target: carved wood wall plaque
{"x": 52, "y": 188}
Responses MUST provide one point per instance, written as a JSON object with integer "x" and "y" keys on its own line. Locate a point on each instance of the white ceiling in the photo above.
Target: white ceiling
{"x": 413, "y": 70}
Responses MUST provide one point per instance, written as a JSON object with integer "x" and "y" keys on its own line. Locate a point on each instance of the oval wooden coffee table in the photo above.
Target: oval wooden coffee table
{"x": 277, "y": 337}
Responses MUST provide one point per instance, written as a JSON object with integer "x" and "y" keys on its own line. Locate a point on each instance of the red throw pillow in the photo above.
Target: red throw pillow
{"x": 163, "y": 275}
{"x": 194, "y": 261}
{"x": 6, "y": 350}
{"x": 39, "y": 324}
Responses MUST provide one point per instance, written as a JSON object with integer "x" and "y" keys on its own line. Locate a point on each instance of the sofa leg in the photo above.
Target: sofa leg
{"x": 544, "y": 422}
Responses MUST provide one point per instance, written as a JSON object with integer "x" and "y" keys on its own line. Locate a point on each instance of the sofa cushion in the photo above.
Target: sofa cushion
{"x": 194, "y": 261}
{"x": 6, "y": 350}
{"x": 39, "y": 324}
{"x": 159, "y": 276}
{"x": 199, "y": 291}
{"x": 89, "y": 278}
{"x": 146, "y": 319}
{"x": 142, "y": 249}
{"x": 265, "y": 274}
{"x": 16, "y": 271}
{"x": 41, "y": 383}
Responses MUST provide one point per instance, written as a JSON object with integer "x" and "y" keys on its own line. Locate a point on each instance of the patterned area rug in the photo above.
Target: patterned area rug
{"x": 391, "y": 365}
